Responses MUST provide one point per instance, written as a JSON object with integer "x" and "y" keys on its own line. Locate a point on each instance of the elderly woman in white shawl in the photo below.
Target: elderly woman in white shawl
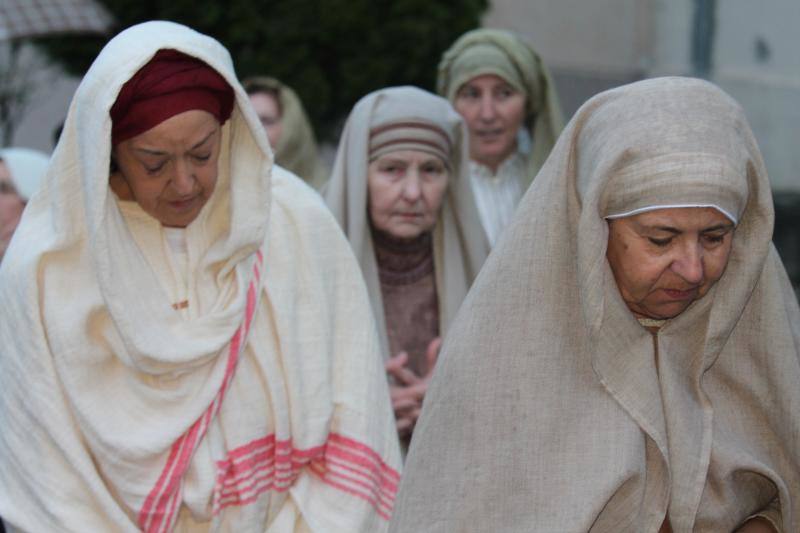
{"x": 628, "y": 359}
{"x": 187, "y": 344}
{"x": 21, "y": 171}
{"x": 400, "y": 190}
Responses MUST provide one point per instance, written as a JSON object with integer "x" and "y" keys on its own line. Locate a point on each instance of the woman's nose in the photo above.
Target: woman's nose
{"x": 411, "y": 185}
{"x": 487, "y": 111}
{"x": 183, "y": 180}
{"x": 689, "y": 264}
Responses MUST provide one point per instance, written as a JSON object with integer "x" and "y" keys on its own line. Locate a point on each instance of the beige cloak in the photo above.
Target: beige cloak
{"x": 549, "y": 410}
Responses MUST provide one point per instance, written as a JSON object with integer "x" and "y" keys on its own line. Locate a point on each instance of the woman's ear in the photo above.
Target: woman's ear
{"x": 117, "y": 181}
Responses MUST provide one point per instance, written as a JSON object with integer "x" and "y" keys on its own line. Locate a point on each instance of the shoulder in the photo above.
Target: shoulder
{"x": 307, "y": 248}
{"x": 294, "y": 201}
{"x": 290, "y": 191}
{"x": 300, "y": 214}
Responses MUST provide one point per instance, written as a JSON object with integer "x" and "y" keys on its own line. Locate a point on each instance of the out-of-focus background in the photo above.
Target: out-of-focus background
{"x": 335, "y": 51}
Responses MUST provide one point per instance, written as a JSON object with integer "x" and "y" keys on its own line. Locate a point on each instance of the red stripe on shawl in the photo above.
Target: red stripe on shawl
{"x": 326, "y": 476}
{"x": 370, "y": 480}
{"x": 343, "y": 463}
{"x": 380, "y": 499}
{"x": 160, "y": 505}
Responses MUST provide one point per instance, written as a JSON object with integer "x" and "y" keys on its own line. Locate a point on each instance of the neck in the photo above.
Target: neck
{"x": 494, "y": 163}
{"x": 402, "y": 261}
{"x": 399, "y": 244}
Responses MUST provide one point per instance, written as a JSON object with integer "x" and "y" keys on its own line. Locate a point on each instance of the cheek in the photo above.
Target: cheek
{"x": 468, "y": 112}
{"x": 274, "y": 133}
{"x": 208, "y": 179}
{"x": 636, "y": 273}
{"x": 645, "y": 274}
{"x": 716, "y": 263}
{"x": 515, "y": 113}
{"x": 380, "y": 200}
{"x": 434, "y": 195}
{"x": 10, "y": 209}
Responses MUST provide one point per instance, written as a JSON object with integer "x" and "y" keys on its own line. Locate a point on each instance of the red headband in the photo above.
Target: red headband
{"x": 169, "y": 84}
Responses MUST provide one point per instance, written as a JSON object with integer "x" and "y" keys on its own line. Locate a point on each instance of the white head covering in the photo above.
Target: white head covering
{"x": 460, "y": 245}
{"x": 27, "y": 168}
{"x": 262, "y": 404}
{"x": 553, "y": 409}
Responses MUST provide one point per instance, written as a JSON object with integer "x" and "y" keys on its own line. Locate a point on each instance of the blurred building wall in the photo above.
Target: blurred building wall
{"x": 589, "y": 46}
{"x": 47, "y": 108}
{"x": 592, "y": 46}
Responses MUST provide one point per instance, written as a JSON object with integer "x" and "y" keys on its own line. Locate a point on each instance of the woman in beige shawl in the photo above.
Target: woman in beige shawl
{"x": 288, "y": 129}
{"x": 554, "y": 409}
{"x": 400, "y": 192}
{"x": 504, "y": 91}
{"x": 187, "y": 345}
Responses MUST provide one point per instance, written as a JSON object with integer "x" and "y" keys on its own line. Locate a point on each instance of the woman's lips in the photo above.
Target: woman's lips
{"x": 183, "y": 205}
{"x": 677, "y": 294}
{"x": 489, "y": 135}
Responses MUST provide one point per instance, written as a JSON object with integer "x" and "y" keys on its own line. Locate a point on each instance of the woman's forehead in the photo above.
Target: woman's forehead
{"x": 409, "y": 156}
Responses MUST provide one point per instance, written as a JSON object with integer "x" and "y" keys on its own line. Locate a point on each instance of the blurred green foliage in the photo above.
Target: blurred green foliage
{"x": 332, "y": 52}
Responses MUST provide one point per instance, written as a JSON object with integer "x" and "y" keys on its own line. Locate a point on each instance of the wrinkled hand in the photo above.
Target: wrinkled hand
{"x": 408, "y": 389}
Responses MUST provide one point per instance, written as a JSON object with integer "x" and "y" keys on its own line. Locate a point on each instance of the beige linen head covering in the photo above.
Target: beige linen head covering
{"x": 122, "y": 412}
{"x": 459, "y": 244}
{"x": 500, "y": 52}
{"x": 549, "y": 410}
{"x": 296, "y": 149}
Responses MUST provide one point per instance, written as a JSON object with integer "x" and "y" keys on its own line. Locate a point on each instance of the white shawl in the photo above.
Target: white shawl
{"x": 261, "y": 406}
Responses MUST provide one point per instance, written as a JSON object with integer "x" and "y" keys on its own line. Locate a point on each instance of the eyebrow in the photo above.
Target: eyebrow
{"x": 718, "y": 227}
{"x": 159, "y": 152}
{"x": 676, "y": 231}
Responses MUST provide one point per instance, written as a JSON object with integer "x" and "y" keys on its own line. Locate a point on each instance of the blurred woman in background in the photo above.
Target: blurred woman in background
{"x": 288, "y": 128}
{"x": 400, "y": 190}
{"x": 501, "y": 87}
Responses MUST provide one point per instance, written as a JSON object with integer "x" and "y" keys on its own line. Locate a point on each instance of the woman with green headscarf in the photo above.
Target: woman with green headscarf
{"x": 501, "y": 87}
{"x": 288, "y": 128}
